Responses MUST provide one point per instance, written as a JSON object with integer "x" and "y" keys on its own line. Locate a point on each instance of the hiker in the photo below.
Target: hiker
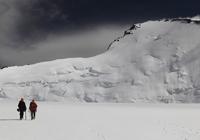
{"x": 21, "y": 108}
{"x": 33, "y": 109}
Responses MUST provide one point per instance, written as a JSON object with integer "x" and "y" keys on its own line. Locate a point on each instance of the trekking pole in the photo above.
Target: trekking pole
{"x": 25, "y": 116}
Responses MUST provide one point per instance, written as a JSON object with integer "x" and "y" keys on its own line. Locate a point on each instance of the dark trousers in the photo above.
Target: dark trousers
{"x": 21, "y": 114}
{"x": 32, "y": 115}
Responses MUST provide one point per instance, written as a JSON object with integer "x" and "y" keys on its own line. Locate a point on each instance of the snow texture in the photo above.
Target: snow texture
{"x": 156, "y": 61}
{"x": 64, "y": 121}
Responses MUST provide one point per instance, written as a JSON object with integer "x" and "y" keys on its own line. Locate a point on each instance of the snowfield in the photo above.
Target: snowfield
{"x": 65, "y": 121}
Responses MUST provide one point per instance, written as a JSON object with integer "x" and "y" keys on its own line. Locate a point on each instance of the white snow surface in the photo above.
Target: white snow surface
{"x": 157, "y": 62}
{"x": 64, "y": 121}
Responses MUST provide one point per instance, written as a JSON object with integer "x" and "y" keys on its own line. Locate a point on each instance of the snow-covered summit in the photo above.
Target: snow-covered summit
{"x": 196, "y": 18}
{"x": 156, "y": 61}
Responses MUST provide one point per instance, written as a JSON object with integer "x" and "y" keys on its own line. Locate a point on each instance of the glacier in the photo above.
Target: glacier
{"x": 152, "y": 62}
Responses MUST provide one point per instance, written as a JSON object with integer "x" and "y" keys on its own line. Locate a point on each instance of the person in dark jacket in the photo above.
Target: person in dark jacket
{"x": 33, "y": 109}
{"x": 21, "y": 108}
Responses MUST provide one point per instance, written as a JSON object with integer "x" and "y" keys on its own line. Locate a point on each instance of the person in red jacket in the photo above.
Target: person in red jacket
{"x": 33, "y": 109}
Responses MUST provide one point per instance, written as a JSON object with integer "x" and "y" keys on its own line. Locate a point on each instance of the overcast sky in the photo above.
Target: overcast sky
{"x": 32, "y": 31}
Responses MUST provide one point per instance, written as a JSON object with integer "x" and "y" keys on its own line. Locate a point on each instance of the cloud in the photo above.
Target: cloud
{"x": 30, "y": 33}
{"x": 20, "y": 23}
{"x": 3, "y": 7}
{"x": 26, "y": 22}
{"x": 84, "y": 43}
{"x": 9, "y": 18}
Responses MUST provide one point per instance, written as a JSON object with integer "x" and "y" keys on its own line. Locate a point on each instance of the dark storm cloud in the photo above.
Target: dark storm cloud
{"x": 38, "y": 18}
{"x": 3, "y": 7}
{"x": 41, "y": 17}
{"x": 8, "y": 19}
{"x": 50, "y": 13}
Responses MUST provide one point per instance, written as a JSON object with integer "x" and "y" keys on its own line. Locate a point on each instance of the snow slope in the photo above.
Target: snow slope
{"x": 61, "y": 121}
{"x": 158, "y": 61}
